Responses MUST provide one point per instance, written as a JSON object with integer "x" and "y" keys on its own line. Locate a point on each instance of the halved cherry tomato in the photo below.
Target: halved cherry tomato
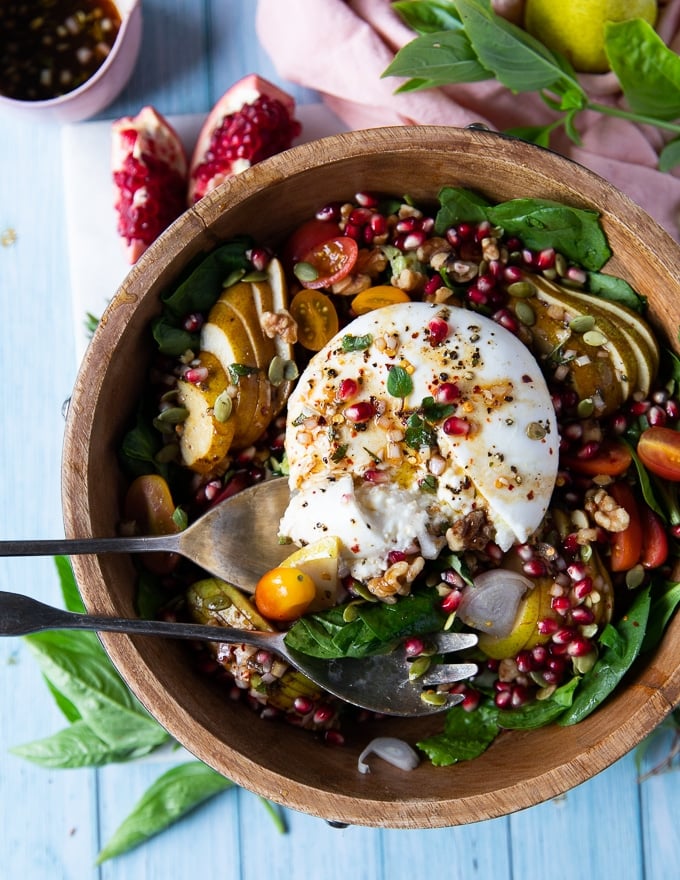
{"x": 307, "y": 236}
{"x": 316, "y": 318}
{"x": 626, "y": 546}
{"x": 377, "y": 297}
{"x": 332, "y": 260}
{"x": 284, "y": 593}
{"x": 613, "y": 459}
{"x": 659, "y": 451}
{"x": 149, "y": 505}
{"x": 654, "y": 538}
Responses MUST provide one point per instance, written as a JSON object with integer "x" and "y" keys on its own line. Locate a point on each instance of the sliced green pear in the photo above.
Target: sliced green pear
{"x": 241, "y": 298}
{"x": 208, "y": 431}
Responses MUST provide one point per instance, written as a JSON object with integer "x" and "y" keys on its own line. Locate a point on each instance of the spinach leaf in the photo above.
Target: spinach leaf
{"x": 622, "y": 645}
{"x": 75, "y": 746}
{"x": 459, "y": 205}
{"x": 665, "y": 599}
{"x": 574, "y": 232}
{"x": 540, "y": 712}
{"x": 648, "y": 71}
{"x": 615, "y": 289}
{"x": 437, "y": 59}
{"x": 328, "y": 635}
{"x": 669, "y": 156}
{"x": 202, "y": 287}
{"x": 142, "y": 443}
{"x": 466, "y": 735}
{"x": 170, "y": 797}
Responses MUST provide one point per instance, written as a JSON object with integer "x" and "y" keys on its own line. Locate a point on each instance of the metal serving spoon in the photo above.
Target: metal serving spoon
{"x": 236, "y": 540}
{"x": 379, "y": 683}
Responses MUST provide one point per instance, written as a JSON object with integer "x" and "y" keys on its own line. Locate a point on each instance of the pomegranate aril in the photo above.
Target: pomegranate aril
{"x": 455, "y": 426}
{"x": 360, "y": 412}
{"x": 348, "y": 388}
{"x": 366, "y": 200}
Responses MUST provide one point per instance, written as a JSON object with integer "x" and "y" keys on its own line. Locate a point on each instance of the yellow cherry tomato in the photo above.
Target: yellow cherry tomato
{"x": 376, "y": 297}
{"x": 316, "y": 318}
{"x": 284, "y": 593}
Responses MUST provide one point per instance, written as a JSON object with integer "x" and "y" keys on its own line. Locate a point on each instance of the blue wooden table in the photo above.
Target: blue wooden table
{"x": 52, "y": 823}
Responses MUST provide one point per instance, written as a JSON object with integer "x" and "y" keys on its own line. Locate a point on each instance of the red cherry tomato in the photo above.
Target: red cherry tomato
{"x": 659, "y": 451}
{"x": 307, "y": 236}
{"x": 654, "y": 538}
{"x": 626, "y": 546}
{"x": 284, "y": 593}
{"x": 332, "y": 261}
{"x": 316, "y": 318}
{"x": 613, "y": 459}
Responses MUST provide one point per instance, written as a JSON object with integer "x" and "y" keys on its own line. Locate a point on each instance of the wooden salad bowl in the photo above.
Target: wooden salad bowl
{"x": 277, "y": 760}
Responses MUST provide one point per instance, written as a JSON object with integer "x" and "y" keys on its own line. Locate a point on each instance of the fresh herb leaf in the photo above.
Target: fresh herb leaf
{"x": 418, "y": 433}
{"x": 356, "y": 343}
{"x": 669, "y": 157}
{"x": 459, "y": 205}
{"x": 74, "y": 746}
{"x": 69, "y": 587}
{"x": 399, "y": 382}
{"x": 614, "y": 661}
{"x": 328, "y": 635}
{"x": 435, "y": 412}
{"x": 466, "y": 736}
{"x": 339, "y": 453}
{"x": 430, "y": 17}
{"x": 665, "y": 600}
{"x": 173, "y": 795}
{"x": 236, "y": 371}
{"x": 429, "y": 484}
{"x": 617, "y": 290}
{"x": 647, "y": 69}
{"x": 437, "y": 59}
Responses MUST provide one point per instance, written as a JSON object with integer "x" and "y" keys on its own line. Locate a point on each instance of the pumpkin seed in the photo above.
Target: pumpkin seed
{"x": 594, "y": 338}
{"x": 351, "y": 611}
{"x": 233, "y": 278}
{"x": 167, "y": 453}
{"x": 535, "y": 431}
{"x": 521, "y": 289}
{"x": 255, "y": 275}
{"x": 223, "y": 406}
{"x": 434, "y": 698}
{"x": 305, "y": 272}
{"x": 582, "y": 323}
{"x": 173, "y": 415}
{"x": 561, "y": 264}
{"x": 525, "y": 313}
{"x": 275, "y": 371}
{"x": 585, "y": 408}
{"x": 418, "y": 668}
{"x": 634, "y": 577}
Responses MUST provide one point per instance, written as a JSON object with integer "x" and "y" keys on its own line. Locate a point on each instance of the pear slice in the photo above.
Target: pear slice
{"x": 205, "y": 440}
{"x": 240, "y": 297}
{"x": 522, "y": 632}
{"x": 320, "y": 561}
{"x": 272, "y": 296}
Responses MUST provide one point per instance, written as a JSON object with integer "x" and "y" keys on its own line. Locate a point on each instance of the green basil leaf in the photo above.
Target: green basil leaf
{"x": 437, "y": 59}
{"x": 647, "y": 69}
{"x": 356, "y": 343}
{"x": 574, "y": 232}
{"x": 171, "y": 339}
{"x": 534, "y": 134}
{"x": 428, "y": 16}
{"x": 399, "y": 382}
{"x": 613, "y": 662}
{"x": 615, "y": 289}
{"x": 519, "y": 61}
{"x": 69, "y": 587}
{"x": 93, "y": 686}
{"x": 74, "y": 746}
{"x": 669, "y": 157}
{"x": 466, "y": 736}
{"x": 173, "y": 795}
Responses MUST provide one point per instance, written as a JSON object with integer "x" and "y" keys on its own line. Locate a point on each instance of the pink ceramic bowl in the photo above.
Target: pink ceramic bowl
{"x": 100, "y": 89}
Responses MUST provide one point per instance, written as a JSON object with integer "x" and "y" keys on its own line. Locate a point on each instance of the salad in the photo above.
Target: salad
{"x": 480, "y": 430}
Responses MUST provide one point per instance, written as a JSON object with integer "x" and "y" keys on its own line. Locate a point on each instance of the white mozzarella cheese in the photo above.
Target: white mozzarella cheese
{"x": 393, "y": 460}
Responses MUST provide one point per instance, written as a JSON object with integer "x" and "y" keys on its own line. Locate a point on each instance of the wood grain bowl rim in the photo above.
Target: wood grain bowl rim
{"x": 520, "y": 769}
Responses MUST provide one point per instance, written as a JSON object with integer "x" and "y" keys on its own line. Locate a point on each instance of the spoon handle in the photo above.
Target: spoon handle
{"x": 21, "y": 615}
{"x": 79, "y": 546}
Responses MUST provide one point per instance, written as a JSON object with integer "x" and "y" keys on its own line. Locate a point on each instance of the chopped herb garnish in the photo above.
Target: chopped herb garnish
{"x": 238, "y": 370}
{"x": 419, "y": 433}
{"x": 339, "y": 453}
{"x": 399, "y": 383}
{"x": 435, "y": 412}
{"x": 356, "y": 343}
{"x": 429, "y": 483}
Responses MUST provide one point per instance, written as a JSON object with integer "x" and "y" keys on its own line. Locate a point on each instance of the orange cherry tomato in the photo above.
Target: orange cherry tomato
{"x": 284, "y": 593}
{"x": 332, "y": 261}
{"x": 316, "y": 318}
{"x": 659, "y": 450}
{"x": 149, "y": 505}
{"x": 626, "y": 546}
{"x": 613, "y": 459}
{"x": 307, "y": 236}
{"x": 377, "y": 297}
{"x": 654, "y": 538}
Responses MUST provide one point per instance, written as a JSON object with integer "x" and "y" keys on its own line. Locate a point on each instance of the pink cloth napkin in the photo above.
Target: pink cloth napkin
{"x": 341, "y": 47}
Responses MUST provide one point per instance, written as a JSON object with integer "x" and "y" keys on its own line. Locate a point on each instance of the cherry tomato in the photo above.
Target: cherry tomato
{"x": 377, "y": 297}
{"x": 316, "y": 318}
{"x": 626, "y": 546}
{"x": 654, "y": 538}
{"x": 332, "y": 261}
{"x": 307, "y": 236}
{"x": 613, "y": 459}
{"x": 284, "y": 593}
{"x": 149, "y": 505}
{"x": 659, "y": 451}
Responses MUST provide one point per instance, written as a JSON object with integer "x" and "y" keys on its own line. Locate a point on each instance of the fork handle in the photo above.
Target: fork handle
{"x": 80, "y": 546}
